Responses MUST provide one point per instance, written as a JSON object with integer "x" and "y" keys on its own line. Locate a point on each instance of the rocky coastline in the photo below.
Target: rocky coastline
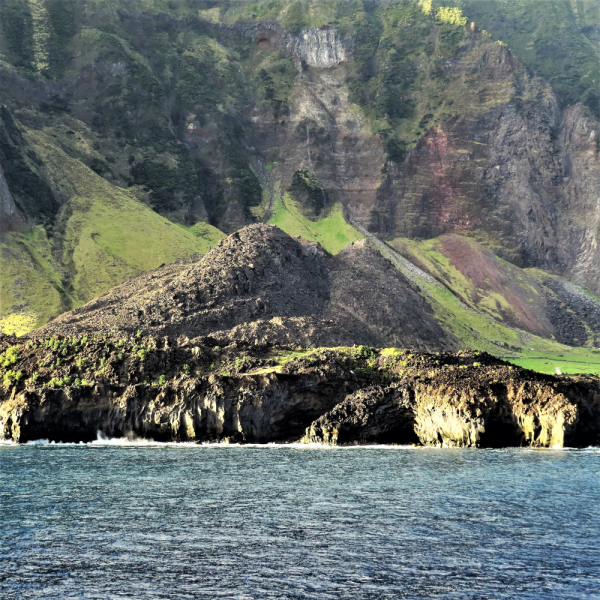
{"x": 207, "y": 389}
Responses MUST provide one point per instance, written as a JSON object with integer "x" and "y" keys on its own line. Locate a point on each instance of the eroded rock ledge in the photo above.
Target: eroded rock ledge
{"x": 212, "y": 389}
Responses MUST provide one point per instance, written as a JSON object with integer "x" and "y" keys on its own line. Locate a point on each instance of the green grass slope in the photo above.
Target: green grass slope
{"x": 31, "y": 291}
{"x": 332, "y": 231}
{"x": 105, "y": 236}
{"x": 478, "y": 315}
{"x": 564, "y": 358}
{"x": 480, "y": 331}
{"x": 481, "y": 280}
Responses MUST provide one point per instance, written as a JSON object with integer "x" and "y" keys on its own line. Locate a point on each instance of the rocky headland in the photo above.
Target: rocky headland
{"x": 213, "y": 389}
{"x": 258, "y": 341}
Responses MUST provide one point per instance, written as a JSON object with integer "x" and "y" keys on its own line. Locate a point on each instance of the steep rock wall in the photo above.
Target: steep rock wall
{"x": 317, "y": 47}
{"x": 477, "y": 412}
{"x": 249, "y": 409}
{"x": 511, "y": 168}
{"x": 326, "y": 134}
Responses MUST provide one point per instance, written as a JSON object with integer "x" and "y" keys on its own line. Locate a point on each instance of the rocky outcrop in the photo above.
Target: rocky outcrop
{"x": 578, "y": 136}
{"x": 325, "y": 133}
{"x": 375, "y": 415}
{"x": 262, "y": 283}
{"x": 573, "y": 312}
{"x": 213, "y": 389}
{"x": 320, "y": 47}
{"x": 166, "y": 389}
{"x": 8, "y": 210}
{"x": 490, "y": 407}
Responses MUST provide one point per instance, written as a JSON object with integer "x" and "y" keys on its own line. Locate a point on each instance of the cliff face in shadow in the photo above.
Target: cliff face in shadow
{"x": 210, "y": 389}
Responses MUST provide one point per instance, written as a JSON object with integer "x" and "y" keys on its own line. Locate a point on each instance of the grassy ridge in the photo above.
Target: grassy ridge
{"x": 105, "y": 237}
{"x": 481, "y": 332}
{"x": 482, "y": 280}
{"x": 109, "y": 236}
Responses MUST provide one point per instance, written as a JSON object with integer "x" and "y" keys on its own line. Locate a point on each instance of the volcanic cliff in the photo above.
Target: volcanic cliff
{"x": 213, "y": 389}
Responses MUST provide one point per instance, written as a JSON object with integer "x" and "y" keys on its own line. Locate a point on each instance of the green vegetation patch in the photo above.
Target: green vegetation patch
{"x": 294, "y": 15}
{"x": 276, "y": 76}
{"x": 22, "y": 168}
{"x": 209, "y": 235}
{"x": 108, "y": 235}
{"x": 166, "y": 183}
{"x": 17, "y": 29}
{"x": 332, "y": 232}
{"x": 31, "y": 290}
{"x": 566, "y": 359}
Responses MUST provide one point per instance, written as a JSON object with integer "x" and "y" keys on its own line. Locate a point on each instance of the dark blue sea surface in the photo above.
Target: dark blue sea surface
{"x": 177, "y": 522}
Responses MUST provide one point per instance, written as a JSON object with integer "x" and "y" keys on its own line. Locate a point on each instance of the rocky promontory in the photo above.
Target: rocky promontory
{"x": 70, "y": 388}
{"x": 257, "y": 342}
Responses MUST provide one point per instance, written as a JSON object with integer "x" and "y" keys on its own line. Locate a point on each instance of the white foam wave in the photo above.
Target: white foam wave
{"x": 102, "y": 440}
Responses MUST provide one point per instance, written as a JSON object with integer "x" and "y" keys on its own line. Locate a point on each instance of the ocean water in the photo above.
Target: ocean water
{"x": 174, "y": 522}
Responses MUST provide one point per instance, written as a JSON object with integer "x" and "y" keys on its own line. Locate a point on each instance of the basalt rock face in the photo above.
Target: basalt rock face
{"x": 491, "y": 407}
{"x": 262, "y": 284}
{"x": 375, "y": 415}
{"x": 318, "y": 47}
{"x": 247, "y": 409}
{"x": 503, "y": 160}
{"x": 209, "y": 389}
{"x": 206, "y": 389}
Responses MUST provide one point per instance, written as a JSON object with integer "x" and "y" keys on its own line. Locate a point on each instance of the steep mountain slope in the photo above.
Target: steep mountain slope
{"x": 557, "y": 40}
{"x": 135, "y": 134}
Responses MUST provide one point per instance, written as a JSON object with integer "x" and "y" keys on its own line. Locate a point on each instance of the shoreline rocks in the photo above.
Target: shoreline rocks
{"x": 211, "y": 390}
